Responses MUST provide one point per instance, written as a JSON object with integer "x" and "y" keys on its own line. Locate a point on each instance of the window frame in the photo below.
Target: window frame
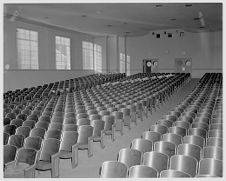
{"x": 70, "y": 40}
{"x": 19, "y": 67}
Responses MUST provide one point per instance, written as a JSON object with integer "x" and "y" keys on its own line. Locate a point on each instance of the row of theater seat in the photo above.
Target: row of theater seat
{"x": 187, "y": 142}
{"x": 57, "y": 127}
{"x": 57, "y": 87}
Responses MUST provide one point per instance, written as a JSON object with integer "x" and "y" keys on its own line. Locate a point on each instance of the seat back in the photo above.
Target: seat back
{"x": 84, "y": 132}
{"x": 6, "y": 138}
{"x": 192, "y": 139}
{"x": 69, "y": 138}
{"x": 213, "y": 152}
{"x": 50, "y": 147}
{"x": 165, "y": 147}
{"x": 211, "y": 166}
{"x": 38, "y": 132}
{"x": 94, "y": 117}
{"x": 109, "y": 121}
{"x": 23, "y": 130}
{"x": 141, "y": 145}
{"x": 16, "y": 140}
{"x": 9, "y": 153}
{"x": 173, "y": 174}
{"x": 189, "y": 150}
{"x": 215, "y": 133}
{"x": 98, "y": 126}
{"x": 142, "y": 171}
{"x": 33, "y": 143}
{"x": 159, "y": 128}
{"x": 182, "y": 124}
{"x": 173, "y": 138}
{"x": 70, "y": 127}
{"x": 26, "y": 155}
{"x": 184, "y": 163}
{"x": 129, "y": 157}
{"x": 165, "y": 122}
{"x": 42, "y": 124}
{"x": 55, "y": 126}
{"x": 178, "y": 130}
{"x": 54, "y": 133}
{"x": 29, "y": 123}
{"x": 83, "y": 121}
{"x": 10, "y": 129}
{"x": 152, "y": 136}
{"x": 156, "y": 160}
{"x": 198, "y": 131}
{"x": 113, "y": 169}
{"x": 17, "y": 122}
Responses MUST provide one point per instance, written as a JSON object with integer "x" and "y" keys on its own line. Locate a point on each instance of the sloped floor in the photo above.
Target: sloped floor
{"x": 89, "y": 167}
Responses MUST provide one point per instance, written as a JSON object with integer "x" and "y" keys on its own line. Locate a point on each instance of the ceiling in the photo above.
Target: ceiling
{"x": 131, "y": 19}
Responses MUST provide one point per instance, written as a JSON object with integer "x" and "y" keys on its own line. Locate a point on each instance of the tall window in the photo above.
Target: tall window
{"x": 92, "y": 56}
{"x": 27, "y": 49}
{"x": 128, "y": 65}
{"x": 123, "y": 65}
{"x": 63, "y": 53}
{"x": 87, "y": 54}
{"x": 97, "y": 58}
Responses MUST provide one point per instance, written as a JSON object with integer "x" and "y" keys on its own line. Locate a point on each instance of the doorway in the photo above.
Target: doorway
{"x": 183, "y": 65}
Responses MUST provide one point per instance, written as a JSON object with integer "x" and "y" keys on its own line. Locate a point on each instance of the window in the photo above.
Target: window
{"x": 87, "y": 54}
{"x": 92, "y": 56}
{"x": 27, "y": 49}
{"x": 63, "y": 55}
{"x": 123, "y": 65}
{"x": 97, "y": 58}
{"x": 128, "y": 65}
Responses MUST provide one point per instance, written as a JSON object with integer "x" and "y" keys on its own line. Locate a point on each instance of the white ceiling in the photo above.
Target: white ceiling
{"x": 132, "y": 19}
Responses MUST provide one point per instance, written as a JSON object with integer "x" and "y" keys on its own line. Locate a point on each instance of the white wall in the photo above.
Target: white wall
{"x": 102, "y": 41}
{"x": 14, "y": 78}
{"x": 113, "y": 54}
{"x": 205, "y": 49}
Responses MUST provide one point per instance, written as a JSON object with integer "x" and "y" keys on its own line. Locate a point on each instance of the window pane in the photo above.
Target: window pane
{"x": 27, "y": 49}
{"x": 63, "y": 57}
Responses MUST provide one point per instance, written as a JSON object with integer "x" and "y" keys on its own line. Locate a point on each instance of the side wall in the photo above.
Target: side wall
{"x": 15, "y": 78}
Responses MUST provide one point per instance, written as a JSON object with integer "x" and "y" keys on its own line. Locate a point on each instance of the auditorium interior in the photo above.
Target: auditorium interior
{"x": 112, "y": 90}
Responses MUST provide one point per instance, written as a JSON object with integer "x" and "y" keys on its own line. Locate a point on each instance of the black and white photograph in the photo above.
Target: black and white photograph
{"x": 112, "y": 89}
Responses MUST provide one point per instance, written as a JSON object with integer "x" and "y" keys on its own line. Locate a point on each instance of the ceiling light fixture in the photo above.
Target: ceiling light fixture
{"x": 188, "y": 5}
{"x": 158, "y": 5}
{"x": 196, "y": 19}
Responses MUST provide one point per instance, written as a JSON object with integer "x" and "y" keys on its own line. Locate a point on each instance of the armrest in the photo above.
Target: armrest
{"x": 9, "y": 163}
{"x": 113, "y": 133}
{"x": 90, "y": 139}
{"x": 75, "y": 155}
{"x": 102, "y": 132}
{"x": 30, "y": 171}
{"x": 55, "y": 161}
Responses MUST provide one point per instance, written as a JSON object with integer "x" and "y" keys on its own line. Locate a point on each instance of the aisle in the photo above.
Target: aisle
{"x": 89, "y": 167}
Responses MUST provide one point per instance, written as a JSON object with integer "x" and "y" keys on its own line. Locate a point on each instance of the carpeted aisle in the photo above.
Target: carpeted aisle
{"x": 89, "y": 167}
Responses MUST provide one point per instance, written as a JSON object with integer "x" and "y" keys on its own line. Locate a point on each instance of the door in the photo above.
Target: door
{"x": 150, "y": 65}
